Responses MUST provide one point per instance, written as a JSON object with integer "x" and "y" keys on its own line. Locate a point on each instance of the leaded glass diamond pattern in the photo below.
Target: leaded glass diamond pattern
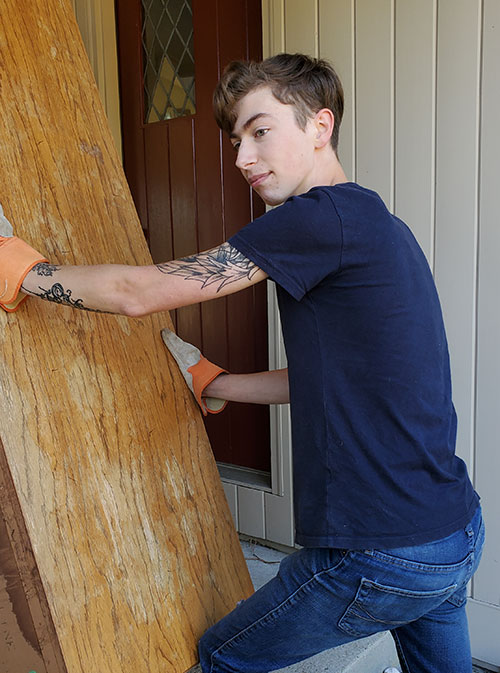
{"x": 167, "y": 40}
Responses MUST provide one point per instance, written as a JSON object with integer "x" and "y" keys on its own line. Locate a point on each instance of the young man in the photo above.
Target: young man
{"x": 388, "y": 520}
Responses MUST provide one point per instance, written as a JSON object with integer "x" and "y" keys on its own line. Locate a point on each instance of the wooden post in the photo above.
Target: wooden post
{"x": 117, "y": 547}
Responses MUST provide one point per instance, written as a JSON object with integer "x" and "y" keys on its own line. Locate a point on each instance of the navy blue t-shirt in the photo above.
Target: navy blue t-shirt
{"x": 373, "y": 423}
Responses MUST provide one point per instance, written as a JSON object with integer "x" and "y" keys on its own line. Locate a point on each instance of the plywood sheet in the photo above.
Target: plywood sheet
{"x": 117, "y": 526}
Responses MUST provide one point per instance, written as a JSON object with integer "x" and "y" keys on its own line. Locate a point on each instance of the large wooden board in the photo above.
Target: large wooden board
{"x": 118, "y": 548}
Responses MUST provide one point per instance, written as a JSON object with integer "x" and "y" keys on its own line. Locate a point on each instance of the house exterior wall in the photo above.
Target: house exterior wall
{"x": 421, "y": 128}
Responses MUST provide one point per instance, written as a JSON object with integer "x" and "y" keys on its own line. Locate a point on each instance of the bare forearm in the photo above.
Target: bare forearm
{"x": 259, "y": 388}
{"x": 141, "y": 290}
{"x": 109, "y": 288}
{"x": 90, "y": 288}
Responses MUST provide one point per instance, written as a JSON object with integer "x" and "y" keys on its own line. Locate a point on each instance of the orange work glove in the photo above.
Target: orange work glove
{"x": 197, "y": 371}
{"x": 17, "y": 259}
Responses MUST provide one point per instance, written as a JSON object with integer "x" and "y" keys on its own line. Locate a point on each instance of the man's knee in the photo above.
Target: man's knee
{"x": 211, "y": 657}
{"x": 205, "y": 651}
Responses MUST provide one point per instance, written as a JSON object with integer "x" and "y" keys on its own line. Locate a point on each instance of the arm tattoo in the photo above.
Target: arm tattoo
{"x": 44, "y": 269}
{"x": 58, "y": 295}
{"x": 222, "y": 265}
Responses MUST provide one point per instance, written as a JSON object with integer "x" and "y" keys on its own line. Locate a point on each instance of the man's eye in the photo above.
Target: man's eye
{"x": 261, "y": 132}
{"x": 236, "y": 146}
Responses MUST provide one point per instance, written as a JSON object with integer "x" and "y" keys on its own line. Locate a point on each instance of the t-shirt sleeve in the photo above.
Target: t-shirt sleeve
{"x": 297, "y": 244}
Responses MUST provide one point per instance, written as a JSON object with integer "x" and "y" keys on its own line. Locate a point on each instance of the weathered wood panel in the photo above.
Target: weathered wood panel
{"x": 22, "y": 599}
{"x": 119, "y": 529}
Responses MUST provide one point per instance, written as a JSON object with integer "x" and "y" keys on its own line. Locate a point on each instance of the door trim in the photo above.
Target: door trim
{"x": 269, "y": 515}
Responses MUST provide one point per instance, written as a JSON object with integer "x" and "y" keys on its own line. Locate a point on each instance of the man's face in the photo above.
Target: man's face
{"x": 275, "y": 156}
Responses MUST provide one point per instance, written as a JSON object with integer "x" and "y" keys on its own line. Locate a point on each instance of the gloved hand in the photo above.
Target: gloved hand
{"x": 198, "y": 372}
{"x": 17, "y": 259}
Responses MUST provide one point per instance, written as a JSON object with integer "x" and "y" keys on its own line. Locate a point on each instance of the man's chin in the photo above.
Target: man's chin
{"x": 271, "y": 199}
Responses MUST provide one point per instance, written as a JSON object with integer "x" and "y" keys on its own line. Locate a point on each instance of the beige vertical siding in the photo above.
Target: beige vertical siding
{"x": 414, "y": 118}
{"x": 337, "y": 43}
{"x": 301, "y": 26}
{"x": 457, "y": 146}
{"x": 96, "y": 20}
{"x": 421, "y": 127}
{"x": 487, "y": 455}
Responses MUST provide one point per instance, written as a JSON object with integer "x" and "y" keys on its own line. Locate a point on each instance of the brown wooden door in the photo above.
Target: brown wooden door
{"x": 188, "y": 193}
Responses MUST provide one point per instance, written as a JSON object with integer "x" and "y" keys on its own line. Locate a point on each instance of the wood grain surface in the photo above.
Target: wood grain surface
{"x": 112, "y": 502}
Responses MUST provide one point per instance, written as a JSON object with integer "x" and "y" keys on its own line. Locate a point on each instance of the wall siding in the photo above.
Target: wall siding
{"x": 487, "y": 455}
{"x": 415, "y": 108}
{"x": 337, "y": 43}
{"x": 96, "y": 20}
{"x": 301, "y": 26}
{"x": 457, "y": 145}
{"x": 421, "y": 128}
{"x": 375, "y": 96}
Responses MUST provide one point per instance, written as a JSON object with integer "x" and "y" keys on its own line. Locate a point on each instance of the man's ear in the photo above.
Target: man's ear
{"x": 323, "y": 121}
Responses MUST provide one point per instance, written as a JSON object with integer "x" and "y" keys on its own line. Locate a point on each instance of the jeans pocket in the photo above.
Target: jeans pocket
{"x": 378, "y": 608}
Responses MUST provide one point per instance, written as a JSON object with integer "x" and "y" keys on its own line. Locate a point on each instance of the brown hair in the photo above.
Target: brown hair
{"x": 309, "y": 84}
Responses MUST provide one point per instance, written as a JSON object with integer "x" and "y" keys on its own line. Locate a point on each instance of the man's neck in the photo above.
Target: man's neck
{"x": 329, "y": 169}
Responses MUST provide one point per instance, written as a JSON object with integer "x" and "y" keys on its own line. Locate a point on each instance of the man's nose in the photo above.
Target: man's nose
{"x": 245, "y": 157}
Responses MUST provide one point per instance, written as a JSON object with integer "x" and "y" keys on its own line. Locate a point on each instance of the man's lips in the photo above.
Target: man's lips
{"x": 255, "y": 180}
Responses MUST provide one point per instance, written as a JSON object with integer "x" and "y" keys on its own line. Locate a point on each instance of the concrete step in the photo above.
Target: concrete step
{"x": 369, "y": 655}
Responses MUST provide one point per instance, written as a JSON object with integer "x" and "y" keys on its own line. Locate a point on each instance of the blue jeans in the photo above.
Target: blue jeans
{"x": 322, "y": 598}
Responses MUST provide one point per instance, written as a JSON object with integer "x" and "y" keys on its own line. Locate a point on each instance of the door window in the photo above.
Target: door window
{"x": 167, "y": 39}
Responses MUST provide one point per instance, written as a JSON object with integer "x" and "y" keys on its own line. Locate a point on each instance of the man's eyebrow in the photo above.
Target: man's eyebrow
{"x": 249, "y": 122}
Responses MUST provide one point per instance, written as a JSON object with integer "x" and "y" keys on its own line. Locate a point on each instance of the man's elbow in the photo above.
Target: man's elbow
{"x": 129, "y": 298}
{"x": 137, "y": 302}
{"x": 138, "y": 293}
{"x": 132, "y": 310}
